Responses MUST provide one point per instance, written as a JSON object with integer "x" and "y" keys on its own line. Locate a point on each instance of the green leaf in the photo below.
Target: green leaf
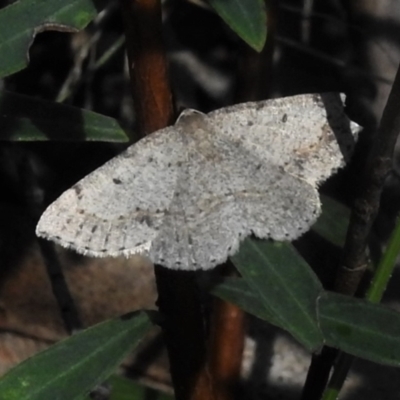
{"x": 72, "y": 367}
{"x": 285, "y": 285}
{"x": 247, "y": 18}
{"x": 360, "y": 328}
{"x": 126, "y": 389}
{"x": 20, "y": 21}
{"x": 355, "y": 326}
{"x": 24, "y": 118}
{"x": 237, "y": 291}
{"x": 333, "y": 222}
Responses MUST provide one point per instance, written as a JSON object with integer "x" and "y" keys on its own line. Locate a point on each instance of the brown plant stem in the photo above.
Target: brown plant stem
{"x": 183, "y": 327}
{"x": 225, "y": 352}
{"x": 365, "y": 209}
{"x": 219, "y": 377}
{"x": 366, "y": 206}
{"x": 147, "y": 65}
{"x": 226, "y": 344}
{"x": 184, "y": 333}
{"x": 227, "y": 341}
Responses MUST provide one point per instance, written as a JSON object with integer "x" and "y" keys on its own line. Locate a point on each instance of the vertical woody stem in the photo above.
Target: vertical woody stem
{"x": 147, "y": 65}
{"x": 183, "y": 326}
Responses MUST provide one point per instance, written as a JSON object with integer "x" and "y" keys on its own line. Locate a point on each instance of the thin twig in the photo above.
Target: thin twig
{"x": 59, "y": 286}
{"x": 35, "y": 202}
{"x": 179, "y": 302}
{"x": 324, "y": 17}
{"x": 378, "y": 166}
{"x": 109, "y": 53}
{"x": 75, "y": 74}
{"x": 147, "y": 65}
{"x": 226, "y": 348}
{"x": 337, "y": 62}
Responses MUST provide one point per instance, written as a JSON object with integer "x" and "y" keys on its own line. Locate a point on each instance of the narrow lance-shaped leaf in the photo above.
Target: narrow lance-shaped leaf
{"x": 238, "y": 291}
{"x": 360, "y": 328}
{"x": 24, "y": 118}
{"x": 126, "y": 389}
{"x": 352, "y": 325}
{"x": 285, "y": 285}
{"x": 20, "y": 21}
{"x": 247, "y": 18}
{"x": 71, "y": 368}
